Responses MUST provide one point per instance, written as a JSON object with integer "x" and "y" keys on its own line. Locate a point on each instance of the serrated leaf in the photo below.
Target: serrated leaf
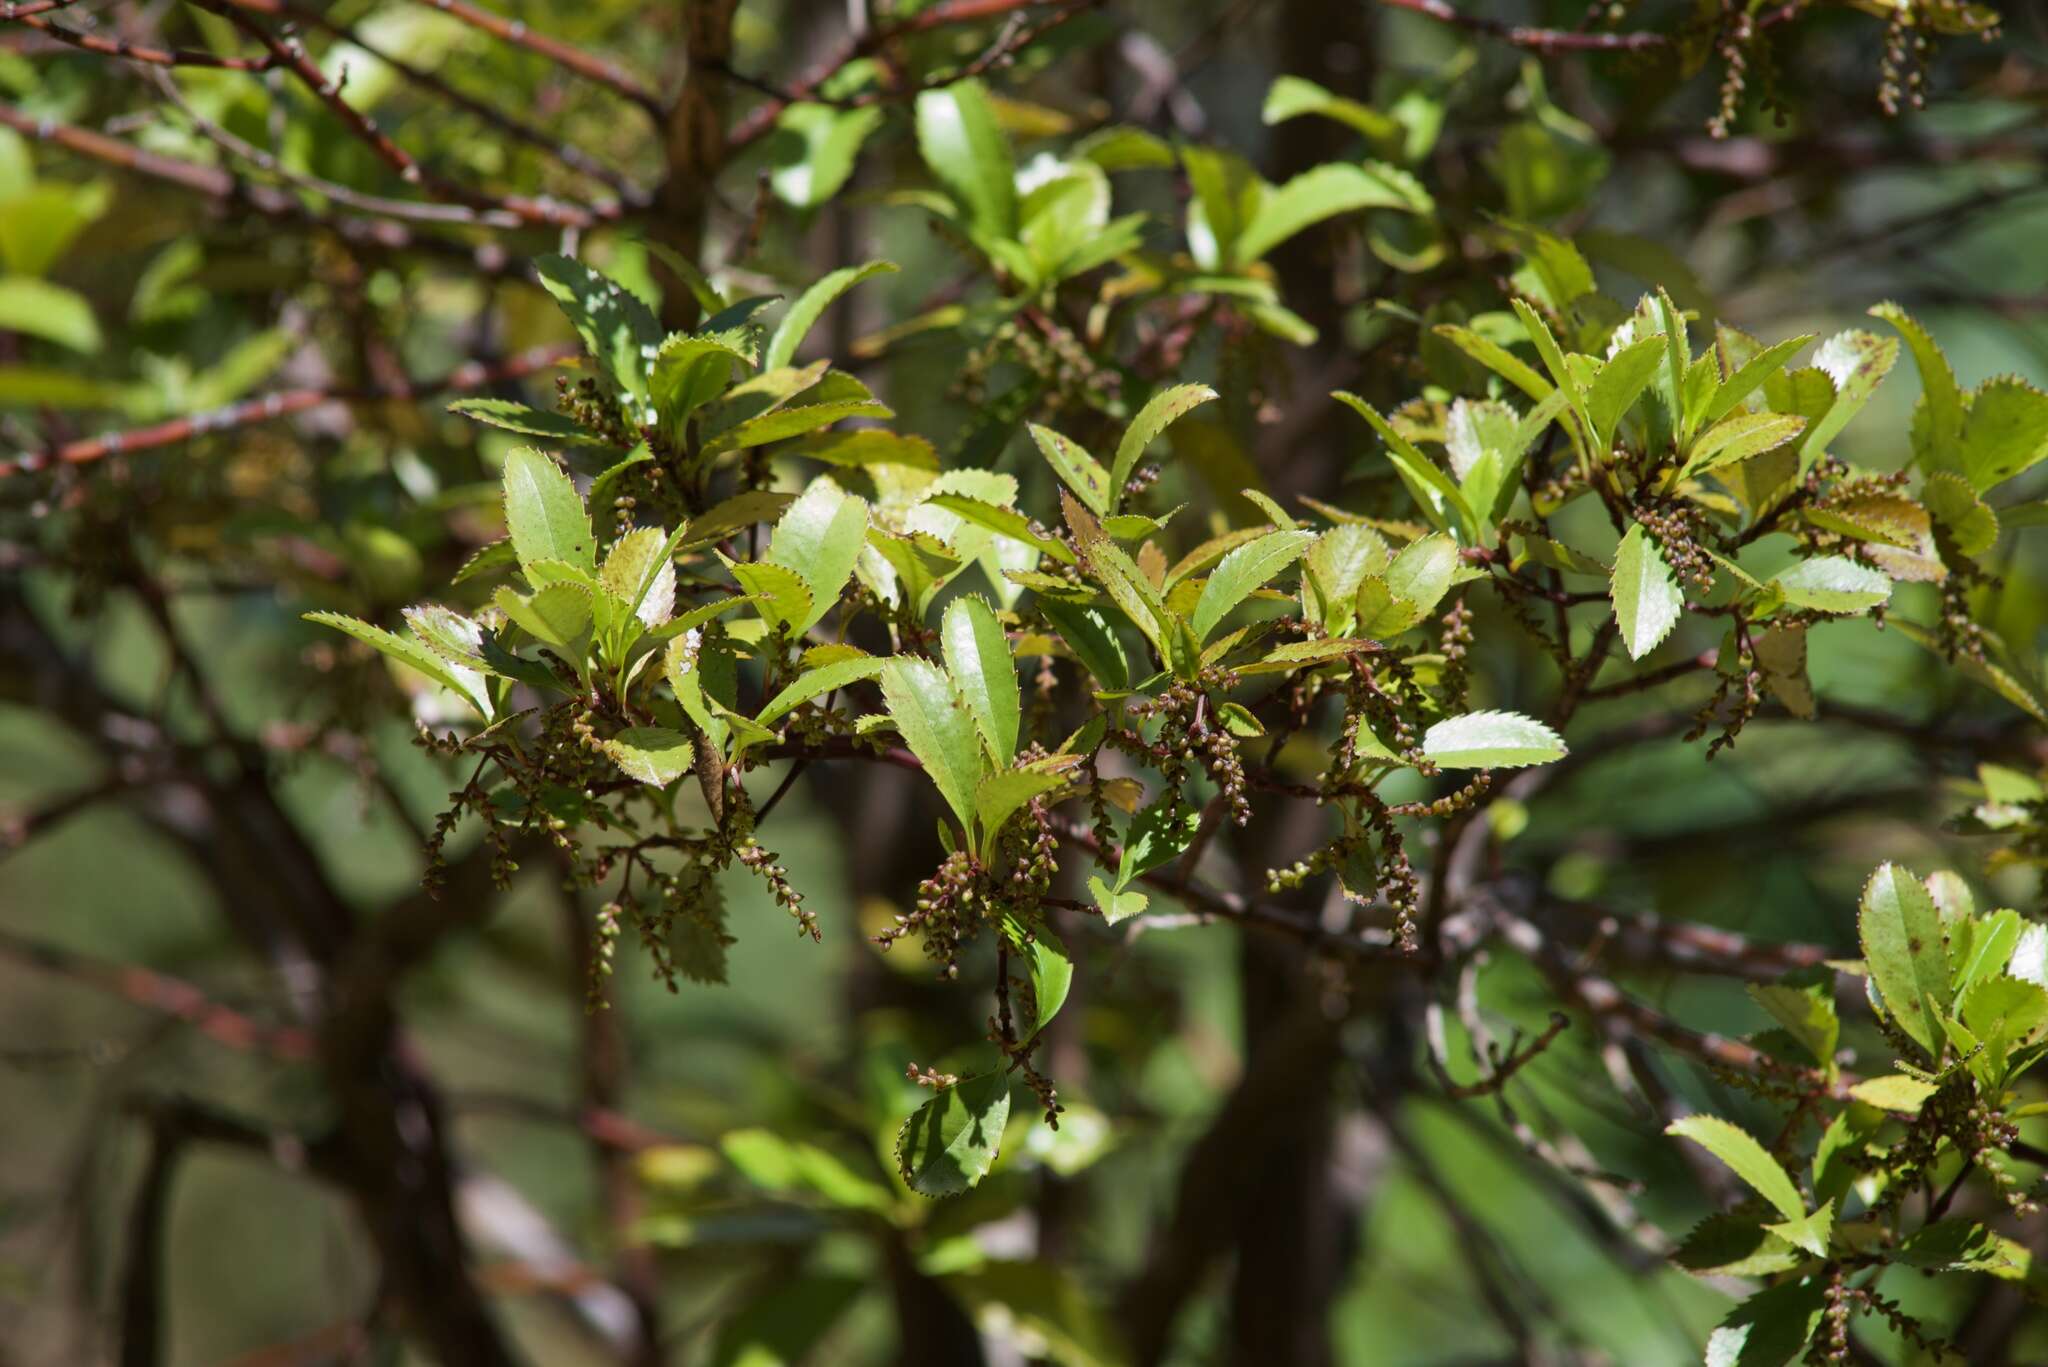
{"x": 1856, "y": 362}
{"x": 1332, "y": 569}
{"x": 414, "y": 656}
{"x": 1738, "y": 438}
{"x": 1745, "y": 379}
{"x": 532, "y": 422}
{"x": 1941, "y": 399}
{"x": 1087, "y": 633}
{"x": 1957, "y": 1245}
{"x": 1619, "y": 384}
{"x": 1900, "y": 929}
{"x": 1893, "y": 1092}
{"x": 1833, "y": 583}
{"x": 778, "y": 593}
{"x": 810, "y": 306}
{"x": 937, "y": 725}
{"x": 620, "y": 330}
{"x": 1748, "y": 1159}
{"x": 638, "y": 571}
{"x": 1499, "y": 360}
{"x": 1081, "y": 472}
{"x": 978, "y": 657}
{"x": 1000, "y": 795}
{"x": 2006, "y": 432}
{"x": 820, "y": 537}
{"x": 1431, "y": 488}
{"x": 780, "y": 424}
{"x": 815, "y": 683}
{"x": 952, "y": 1141}
{"x": 1116, "y": 906}
{"x": 544, "y": 513}
{"x": 1646, "y": 597}
{"x": 1810, "y": 1232}
{"x": 1805, "y": 1007}
{"x": 651, "y": 754}
{"x": 1159, "y": 413}
{"x": 1247, "y": 568}
{"x": 691, "y": 371}
{"x": 1491, "y": 740}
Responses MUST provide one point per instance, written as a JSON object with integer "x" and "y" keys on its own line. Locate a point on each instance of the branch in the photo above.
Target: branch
{"x": 284, "y": 403}
{"x": 612, "y": 77}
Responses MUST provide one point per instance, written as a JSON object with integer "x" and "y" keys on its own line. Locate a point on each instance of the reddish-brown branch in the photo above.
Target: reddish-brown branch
{"x": 282, "y": 404}
{"x": 290, "y": 55}
{"x": 562, "y": 54}
{"x": 166, "y": 995}
{"x": 761, "y": 118}
{"x": 139, "y": 52}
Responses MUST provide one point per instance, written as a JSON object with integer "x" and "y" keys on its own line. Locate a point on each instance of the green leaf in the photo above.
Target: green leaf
{"x": 651, "y": 754}
{"x": 1957, "y": 1245}
{"x": 1805, "y": 1005}
{"x": 776, "y": 1164}
{"x": 1087, "y": 633}
{"x": 1554, "y": 361}
{"x": 1431, "y": 488}
{"x": 640, "y": 574}
{"x": 1499, "y": 360}
{"x": 952, "y": 1141}
{"x": 1856, "y": 362}
{"x": 1769, "y": 1329}
{"x": 1000, "y": 795}
{"x": 1324, "y": 192}
{"x": 960, "y": 142}
{"x": 689, "y": 372}
{"x": 780, "y": 424}
{"x": 1422, "y": 573}
{"x": 936, "y": 724}
{"x": 532, "y": 422}
{"x": 1809, "y": 1232}
{"x": 815, "y": 683}
{"x": 464, "y": 684}
{"x": 1290, "y": 97}
{"x": 778, "y": 592}
{"x": 1738, "y": 438}
{"x": 39, "y": 308}
{"x": 1159, "y": 834}
{"x": 1833, "y": 583}
{"x": 1227, "y": 192}
{"x": 1160, "y": 412}
{"x": 544, "y": 513}
{"x": 1116, "y": 906}
{"x": 1646, "y": 597}
{"x": 1004, "y": 522}
{"x": 1082, "y": 472}
{"x": 559, "y": 614}
{"x": 811, "y": 305}
{"x": 1903, "y": 947}
{"x": 620, "y": 330}
{"x": 815, "y": 158}
{"x": 1240, "y": 572}
{"x": 1938, "y": 425}
{"x": 1619, "y": 384}
{"x": 1746, "y": 377}
{"x": 1491, "y": 740}
{"x": 820, "y": 537}
{"x": 978, "y": 657}
{"x": 2006, "y": 432}
{"x": 1731, "y": 1246}
{"x": 1128, "y": 588}
{"x": 1332, "y": 569}
{"x": 1052, "y": 972}
{"x": 1748, "y": 1159}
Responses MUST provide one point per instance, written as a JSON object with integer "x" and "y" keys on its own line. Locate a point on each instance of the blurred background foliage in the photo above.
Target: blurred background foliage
{"x": 658, "y": 1138}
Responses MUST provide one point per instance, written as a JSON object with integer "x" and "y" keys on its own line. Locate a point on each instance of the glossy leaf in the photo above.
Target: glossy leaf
{"x": 1903, "y": 946}
{"x": 952, "y": 1141}
{"x": 1646, "y": 597}
{"x": 544, "y": 513}
{"x": 978, "y": 657}
{"x": 1491, "y": 740}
